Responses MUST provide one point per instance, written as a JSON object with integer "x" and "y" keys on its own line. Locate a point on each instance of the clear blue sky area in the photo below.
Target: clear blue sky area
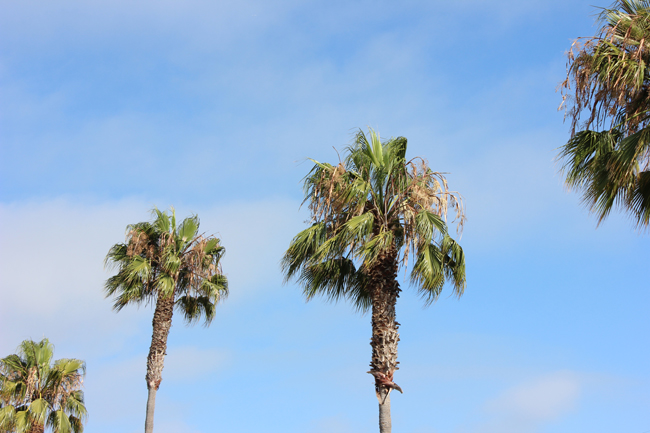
{"x": 109, "y": 108}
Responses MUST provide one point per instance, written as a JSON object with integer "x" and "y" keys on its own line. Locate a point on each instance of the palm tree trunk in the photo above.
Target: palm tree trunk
{"x": 384, "y": 291}
{"x": 162, "y": 322}
{"x": 385, "y": 424}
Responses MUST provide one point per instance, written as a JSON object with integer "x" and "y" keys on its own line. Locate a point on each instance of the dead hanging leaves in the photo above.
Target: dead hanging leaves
{"x": 329, "y": 191}
{"x": 607, "y": 76}
{"x": 138, "y": 243}
{"x": 426, "y": 190}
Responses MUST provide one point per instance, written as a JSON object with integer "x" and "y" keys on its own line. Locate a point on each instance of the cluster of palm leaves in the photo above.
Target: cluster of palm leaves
{"x": 371, "y": 204}
{"x": 34, "y": 393}
{"x": 608, "y": 82}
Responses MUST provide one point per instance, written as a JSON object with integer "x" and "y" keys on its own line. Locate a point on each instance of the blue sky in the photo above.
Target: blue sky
{"x": 110, "y": 108}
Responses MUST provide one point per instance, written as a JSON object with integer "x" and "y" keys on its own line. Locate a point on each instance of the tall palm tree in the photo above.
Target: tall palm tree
{"x": 34, "y": 393}
{"x": 172, "y": 266}
{"x": 608, "y": 155}
{"x": 370, "y": 214}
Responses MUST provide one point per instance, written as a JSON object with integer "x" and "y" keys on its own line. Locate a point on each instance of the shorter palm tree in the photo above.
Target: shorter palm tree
{"x": 173, "y": 267}
{"x": 35, "y": 394}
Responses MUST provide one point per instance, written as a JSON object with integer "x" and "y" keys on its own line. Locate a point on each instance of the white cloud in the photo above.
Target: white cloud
{"x": 542, "y": 399}
{"x": 51, "y": 270}
{"x": 529, "y": 406}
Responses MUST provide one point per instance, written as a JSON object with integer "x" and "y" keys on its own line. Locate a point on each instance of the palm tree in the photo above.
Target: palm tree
{"x": 371, "y": 213}
{"x": 35, "y": 393}
{"x": 608, "y": 155}
{"x": 172, "y": 266}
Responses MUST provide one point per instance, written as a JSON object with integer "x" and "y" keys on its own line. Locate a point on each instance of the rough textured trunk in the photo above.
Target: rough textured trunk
{"x": 384, "y": 290}
{"x": 162, "y": 322}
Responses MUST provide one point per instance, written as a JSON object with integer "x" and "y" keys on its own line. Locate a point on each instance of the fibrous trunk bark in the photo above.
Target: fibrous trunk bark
{"x": 384, "y": 291}
{"x": 162, "y": 322}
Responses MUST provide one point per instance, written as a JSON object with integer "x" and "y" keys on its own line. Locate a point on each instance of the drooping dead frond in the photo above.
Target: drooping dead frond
{"x": 607, "y": 74}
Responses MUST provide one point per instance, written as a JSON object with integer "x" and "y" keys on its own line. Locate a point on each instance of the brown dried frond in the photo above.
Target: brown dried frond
{"x": 167, "y": 239}
{"x": 429, "y": 190}
{"x": 62, "y": 392}
{"x": 138, "y": 242}
{"x": 32, "y": 381}
{"x": 327, "y": 199}
{"x": 199, "y": 265}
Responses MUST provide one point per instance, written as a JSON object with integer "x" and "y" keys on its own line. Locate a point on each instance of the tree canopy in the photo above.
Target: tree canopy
{"x": 608, "y": 102}
{"x": 34, "y": 393}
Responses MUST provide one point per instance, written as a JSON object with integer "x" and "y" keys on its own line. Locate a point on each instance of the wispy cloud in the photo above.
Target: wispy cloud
{"x": 531, "y": 405}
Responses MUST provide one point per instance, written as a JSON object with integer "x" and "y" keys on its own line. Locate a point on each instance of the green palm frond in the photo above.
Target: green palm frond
{"x": 336, "y": 279}
{"x": 188, "y": 229}
{"x": 303, "y": 246}
{"x": 163, "y": 223}
{"x": 76, "y": 423}
{"x": 39, "y": 408}
{"x": 196, "y": 307}
{"x": 428, "y": 272}
{"x": 22, "y": 421}
{"x": 7, "y": 418}
{"x": 605, "y": 166}
{"x": 59, "y": 422}
{"x": 75, "y": 406}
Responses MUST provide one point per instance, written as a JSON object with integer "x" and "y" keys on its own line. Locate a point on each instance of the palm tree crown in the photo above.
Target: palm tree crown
{"x": 372, "y": 204}
{"x": 163, "y": 259}
{"x": 35, "y": 393}
{"x": 372, "y": 213}
{"x": 609, "y": 82}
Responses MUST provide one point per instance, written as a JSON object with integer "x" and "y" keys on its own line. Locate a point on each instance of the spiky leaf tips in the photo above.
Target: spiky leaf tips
{"x": 174, "y": 267}
{"x": 608, "y": 101}
{"x": 36, "y": 393}
{"x": 372, "y": 213}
